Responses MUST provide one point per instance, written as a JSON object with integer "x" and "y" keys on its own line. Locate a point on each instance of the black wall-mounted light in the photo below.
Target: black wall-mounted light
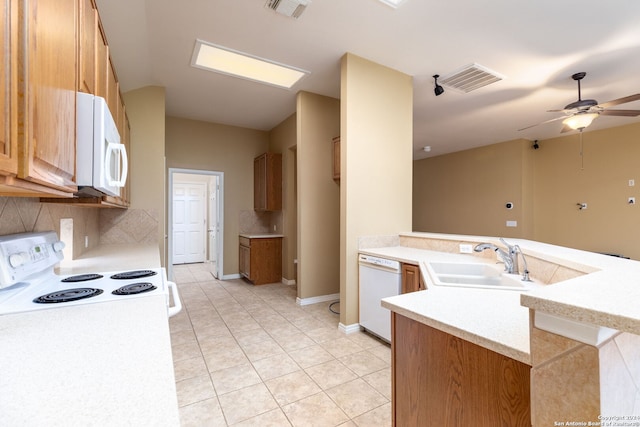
{"x": 438, "y": 90}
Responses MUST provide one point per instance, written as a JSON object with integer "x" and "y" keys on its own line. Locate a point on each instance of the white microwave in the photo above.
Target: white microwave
{"x": 101, "y": 159}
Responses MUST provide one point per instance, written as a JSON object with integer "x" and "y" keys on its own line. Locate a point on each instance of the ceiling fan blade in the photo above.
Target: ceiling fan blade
{"x": 626, "y": 113}
{"x": 619, "y": 101}
{"x": 546, "y": 121}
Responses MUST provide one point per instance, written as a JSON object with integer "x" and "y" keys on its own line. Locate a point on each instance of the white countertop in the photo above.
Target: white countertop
{"x": 260, "y": 235}
{"x": 499, "y": 319}
{"x": 113, "y": 258}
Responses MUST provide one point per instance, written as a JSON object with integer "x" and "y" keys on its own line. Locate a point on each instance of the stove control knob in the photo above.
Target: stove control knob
{"x": 18, "y": 259}
{"x": 58, "y": 246}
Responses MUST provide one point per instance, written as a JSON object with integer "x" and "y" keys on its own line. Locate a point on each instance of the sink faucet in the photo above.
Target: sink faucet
{"x": 504, "y": 256}
{"x": 509, "y": 257}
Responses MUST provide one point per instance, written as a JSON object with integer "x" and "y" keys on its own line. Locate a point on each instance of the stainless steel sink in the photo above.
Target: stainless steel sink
{"x": 474, "y": 275}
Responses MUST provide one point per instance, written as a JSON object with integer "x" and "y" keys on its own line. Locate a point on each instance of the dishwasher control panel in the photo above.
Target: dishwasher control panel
{"x": 382, "y": 262}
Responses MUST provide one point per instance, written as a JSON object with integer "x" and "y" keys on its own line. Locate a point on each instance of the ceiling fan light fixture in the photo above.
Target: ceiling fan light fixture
{"x": 580, "y": 121}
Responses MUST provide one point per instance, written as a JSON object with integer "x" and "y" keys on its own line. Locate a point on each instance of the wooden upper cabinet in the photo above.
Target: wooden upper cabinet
{"x": 87, "y": 45}
{"x": 47, "y": 113}
{"x": 8, "y": 87}
{"x": 113, "y": 90}
{"x": 267, "y": 182}
{"x": 102, "y": 62}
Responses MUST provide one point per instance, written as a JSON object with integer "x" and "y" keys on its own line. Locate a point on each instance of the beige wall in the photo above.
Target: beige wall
{"x": 611, "y": 159}
{"x": 146, "y": 112}
{"x": 376, "y": 158}
{"x": 318, "y": 121}
{"x": 464, "y": 192}
{"x": 282, "y": 139}
{"x": 199, "y": 145}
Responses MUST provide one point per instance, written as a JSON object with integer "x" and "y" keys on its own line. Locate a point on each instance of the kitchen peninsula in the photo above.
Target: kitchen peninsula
{"x": 562, "y": 345}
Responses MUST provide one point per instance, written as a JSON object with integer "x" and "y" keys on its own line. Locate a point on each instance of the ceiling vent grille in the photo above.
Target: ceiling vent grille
{"x": 469, "y": 78}
{"x": 290, "y": 8}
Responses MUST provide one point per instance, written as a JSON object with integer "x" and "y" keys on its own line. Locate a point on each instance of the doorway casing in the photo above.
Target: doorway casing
{"x": 220, "y": 232}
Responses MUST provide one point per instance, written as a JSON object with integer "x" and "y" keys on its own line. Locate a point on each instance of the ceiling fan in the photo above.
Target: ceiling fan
{"x": 581, "y": 113}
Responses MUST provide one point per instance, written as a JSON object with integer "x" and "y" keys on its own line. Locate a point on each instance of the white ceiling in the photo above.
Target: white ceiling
{"x": 536, "y": 45}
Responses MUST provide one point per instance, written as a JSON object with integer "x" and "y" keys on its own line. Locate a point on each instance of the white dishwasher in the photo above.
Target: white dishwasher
{"x": 379, "y": 278}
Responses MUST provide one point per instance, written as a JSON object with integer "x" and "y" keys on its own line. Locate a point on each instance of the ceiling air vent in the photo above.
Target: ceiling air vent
{"x": 291, "y": 8}
{"x": 470, "y": 78}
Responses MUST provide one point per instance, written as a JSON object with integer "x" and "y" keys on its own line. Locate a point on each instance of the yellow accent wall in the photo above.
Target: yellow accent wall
{"x": 376, "y": 157}
{"x": 465, "y": 192}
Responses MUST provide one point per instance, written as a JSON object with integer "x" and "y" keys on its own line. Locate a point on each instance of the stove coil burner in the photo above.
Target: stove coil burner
{"x": 137, "y": 274}
{"x": 67, "y": 295}
{"x": 134, "y": 288}
{"x": 81, "y": 278}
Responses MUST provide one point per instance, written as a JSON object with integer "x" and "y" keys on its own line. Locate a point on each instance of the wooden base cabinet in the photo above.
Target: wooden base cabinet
{"x": 441, "y": 380}
{"x": 411, "y": 279}
{"x": 261, "y": 259}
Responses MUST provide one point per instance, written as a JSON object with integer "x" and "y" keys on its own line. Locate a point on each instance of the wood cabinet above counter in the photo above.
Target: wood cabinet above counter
{"x": 267, "y": 182}
{"x": 39, "y": 82}
{"x": 49, "y": 50}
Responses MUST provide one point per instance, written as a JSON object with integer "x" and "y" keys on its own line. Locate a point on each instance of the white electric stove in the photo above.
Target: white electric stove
{"x": 28, "y": 281}
{"x": 90, "y": 349}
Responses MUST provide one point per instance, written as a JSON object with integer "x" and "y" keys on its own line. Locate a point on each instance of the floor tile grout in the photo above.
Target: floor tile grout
{"x": 258, "y": 323}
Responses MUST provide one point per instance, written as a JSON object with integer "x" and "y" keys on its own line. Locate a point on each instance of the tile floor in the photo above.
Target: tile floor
{"x": 248, "y": 355}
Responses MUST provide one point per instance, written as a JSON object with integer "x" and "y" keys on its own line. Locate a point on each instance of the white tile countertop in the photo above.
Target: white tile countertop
{"x": 119, "y": 257}
{"x": 499, "y": 319}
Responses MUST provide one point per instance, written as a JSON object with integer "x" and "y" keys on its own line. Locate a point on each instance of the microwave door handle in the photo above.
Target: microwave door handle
{"x": 111, "y": 147}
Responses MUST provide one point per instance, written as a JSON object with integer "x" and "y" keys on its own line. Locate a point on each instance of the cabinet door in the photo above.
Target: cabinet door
{"x": 48, "y": 92}
{"x": 267, "y": 182}
{"x": 112, "y": 89}
{"x": 102, "y": 62}
{"x": 87, "y": 45}
{"x": 411, "y": 280}
{"x": 8, "y": 87}
{"x": 245, "y": 261}
{"x": 260, "y": 183}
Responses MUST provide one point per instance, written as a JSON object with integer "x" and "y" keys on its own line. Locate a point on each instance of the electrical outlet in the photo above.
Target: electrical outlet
{"x": 632, "y": 183}
{"x": 86, "y": 241}
{"x": 512, "y": 223}
{"x": 466, "y": 249}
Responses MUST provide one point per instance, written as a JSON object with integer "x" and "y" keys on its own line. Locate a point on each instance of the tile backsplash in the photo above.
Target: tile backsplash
{"x": 253, "y": 222}
{"x": 92, "y": 226}
{"x": 26, "y": 214}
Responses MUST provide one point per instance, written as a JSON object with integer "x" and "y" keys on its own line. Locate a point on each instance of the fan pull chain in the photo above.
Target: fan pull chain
{"x": 581, "y": 152}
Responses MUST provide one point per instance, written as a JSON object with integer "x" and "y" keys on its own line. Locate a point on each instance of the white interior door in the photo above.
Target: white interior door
{"x": 189, "y": 225}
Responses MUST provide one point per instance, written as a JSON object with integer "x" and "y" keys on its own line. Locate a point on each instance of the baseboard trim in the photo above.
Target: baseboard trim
{"x": 349, "y": 329}
{"x": 315, "y": 300}
{"x": 230, "y": 276}
{"x": 288, "y": 282}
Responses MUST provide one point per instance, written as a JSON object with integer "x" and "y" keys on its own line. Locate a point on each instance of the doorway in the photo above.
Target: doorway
{"x": 195, "y": 219}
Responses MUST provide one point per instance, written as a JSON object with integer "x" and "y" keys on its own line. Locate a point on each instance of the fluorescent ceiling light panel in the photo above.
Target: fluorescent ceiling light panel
{"x": 233, "y": 63}
{"x": 393, "y": 3}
